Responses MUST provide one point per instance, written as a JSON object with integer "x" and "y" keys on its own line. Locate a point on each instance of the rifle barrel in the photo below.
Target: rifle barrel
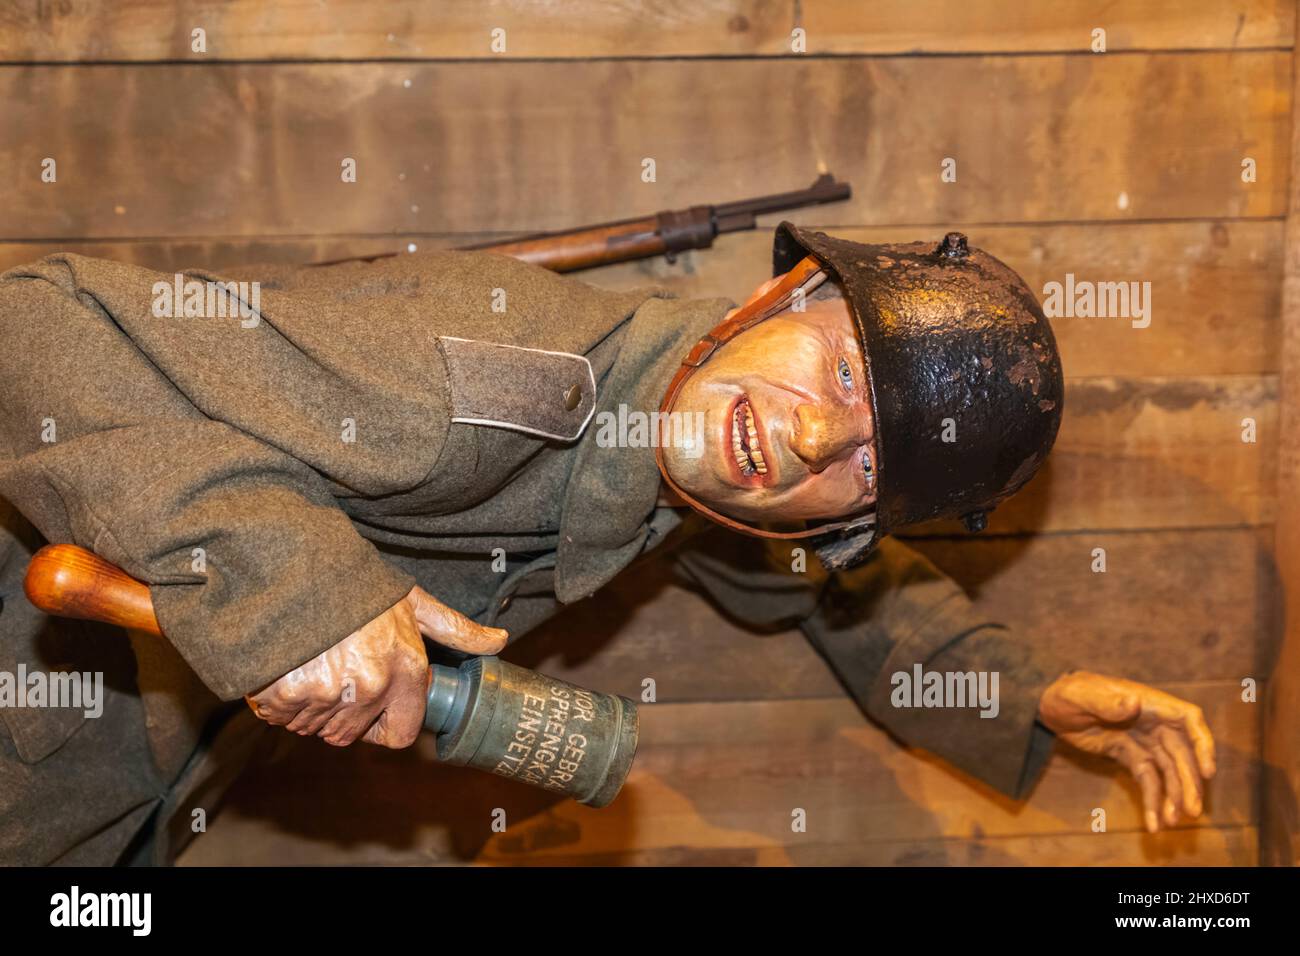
{"x": 742, "y": 213}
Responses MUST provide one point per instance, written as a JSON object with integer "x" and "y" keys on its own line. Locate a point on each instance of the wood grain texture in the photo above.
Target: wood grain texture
{"x": 1218, "y": 846}
{"x": 723, "y": 779}
{"x": 1214, "y": 284}
{"x": 255, "y": 150}
{"x": 1172, "y": 606}
{"x": 1154, "y": 453}
{"x": 946, "y": 25}
{"x": 363, "y": 29}
{"x": 1280, "y": 837}
{"x": 68, "y": 581}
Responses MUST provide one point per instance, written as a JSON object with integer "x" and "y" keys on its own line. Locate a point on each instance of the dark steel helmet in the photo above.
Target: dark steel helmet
{"x": 965, "y": 377}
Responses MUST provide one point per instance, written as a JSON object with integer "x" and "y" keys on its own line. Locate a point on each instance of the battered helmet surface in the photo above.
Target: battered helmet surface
{"x": 965, "y": 377}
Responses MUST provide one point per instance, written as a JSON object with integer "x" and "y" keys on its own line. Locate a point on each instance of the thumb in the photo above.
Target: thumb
{"x": 449, "y": 627}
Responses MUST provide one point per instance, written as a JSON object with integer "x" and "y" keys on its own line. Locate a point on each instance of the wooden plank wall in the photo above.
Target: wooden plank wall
{"x": 1116, "y": 166}
{"x": 1280, "y": 782}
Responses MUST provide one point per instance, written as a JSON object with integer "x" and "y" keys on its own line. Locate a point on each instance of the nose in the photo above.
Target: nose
{"x": 823, "y": 433}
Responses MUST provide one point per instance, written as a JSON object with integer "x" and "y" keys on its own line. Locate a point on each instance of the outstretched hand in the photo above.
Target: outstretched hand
{"x": 1162, "y": 740}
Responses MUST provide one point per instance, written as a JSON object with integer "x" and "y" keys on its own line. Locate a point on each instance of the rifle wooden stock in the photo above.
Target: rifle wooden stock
{"x": 586, "y": 248}
{"x": 665, "y": 233}
{"x": 69, "y": 581}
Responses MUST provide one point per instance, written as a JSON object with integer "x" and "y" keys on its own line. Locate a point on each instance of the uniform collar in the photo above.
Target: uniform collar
{"x": 609, "y": 515}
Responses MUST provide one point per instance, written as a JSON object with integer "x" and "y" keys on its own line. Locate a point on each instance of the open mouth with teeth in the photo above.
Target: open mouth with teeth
{"x": 745, "y": 444}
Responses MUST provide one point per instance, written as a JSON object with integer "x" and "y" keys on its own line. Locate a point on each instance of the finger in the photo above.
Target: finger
{"x": 265, "y": 702}
{"x": 274, "y": 709}
{"x": 311, "y": 719}
{"x": 280, "y": 701}
{"x": 452, "y": 629}
{"x": 397, "y": 727}
{"x": 1181, "y": 713}
{"x": 1202, "y": 741}
{"x": 1143, "y": 768}
{"x": 1173, "y": 787}
{"x": 347, "y": 725}
{"x": 1176, "y": 745}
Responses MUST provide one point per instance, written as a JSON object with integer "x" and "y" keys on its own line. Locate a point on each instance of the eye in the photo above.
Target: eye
{"x": 866, "y": 466}
{"x": 846, "y": 374}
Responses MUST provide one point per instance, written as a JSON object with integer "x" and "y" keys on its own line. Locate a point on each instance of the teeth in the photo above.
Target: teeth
{"x": 749, "y": 455}
{"x": 737, "y": 448}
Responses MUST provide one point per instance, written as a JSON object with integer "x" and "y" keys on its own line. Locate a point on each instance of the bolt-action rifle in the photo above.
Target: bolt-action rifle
{"x": 663, "y": 233}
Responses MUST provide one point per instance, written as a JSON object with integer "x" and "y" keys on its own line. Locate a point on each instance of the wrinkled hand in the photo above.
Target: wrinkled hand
{"x": 372, "y": 684}
{"x": 1162, "y": 740}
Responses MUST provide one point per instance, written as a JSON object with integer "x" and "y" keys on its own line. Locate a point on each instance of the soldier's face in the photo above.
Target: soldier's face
{"x": 788, "y": 428}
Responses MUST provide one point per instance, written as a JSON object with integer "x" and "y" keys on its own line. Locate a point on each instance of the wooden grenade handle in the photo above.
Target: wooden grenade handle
{"x": 68, "y": 581}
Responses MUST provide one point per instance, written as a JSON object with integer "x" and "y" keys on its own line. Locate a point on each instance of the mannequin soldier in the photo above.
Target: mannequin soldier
{"x": 405, "y": 449}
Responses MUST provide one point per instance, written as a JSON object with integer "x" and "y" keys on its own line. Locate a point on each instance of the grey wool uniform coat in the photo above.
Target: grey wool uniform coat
{"x": 280, "y": 480}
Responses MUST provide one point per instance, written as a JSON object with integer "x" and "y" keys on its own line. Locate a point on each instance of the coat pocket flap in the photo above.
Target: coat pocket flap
{"x": 548, "y": 394}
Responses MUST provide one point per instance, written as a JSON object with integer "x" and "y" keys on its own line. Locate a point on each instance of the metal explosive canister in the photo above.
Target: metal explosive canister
{"x": 486, "y": 713}
{"x": 535, "y": 729}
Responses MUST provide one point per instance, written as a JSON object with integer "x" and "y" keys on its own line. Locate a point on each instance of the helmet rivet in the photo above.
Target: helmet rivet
{"x": 953, "y": 246}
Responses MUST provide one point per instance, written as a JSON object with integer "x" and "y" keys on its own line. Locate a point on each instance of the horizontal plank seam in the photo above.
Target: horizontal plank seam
{"x": 945, "y": 838}
{"x": 650, "y": 57}
{"x": 507, "y": 233}
{"x": 1211, "y": 376}
{"x": 929, "y": 840}
{"x": 1062, "y": 532}
{"x": 1198, "y": 683}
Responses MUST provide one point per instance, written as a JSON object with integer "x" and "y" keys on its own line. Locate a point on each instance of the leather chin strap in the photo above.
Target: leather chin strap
{"x": 807, "y": 275}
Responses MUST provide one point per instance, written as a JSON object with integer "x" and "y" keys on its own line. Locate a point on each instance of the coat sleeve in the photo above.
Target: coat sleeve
{"x": 253, "y": 566}
{"x": 885, "y": 618}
